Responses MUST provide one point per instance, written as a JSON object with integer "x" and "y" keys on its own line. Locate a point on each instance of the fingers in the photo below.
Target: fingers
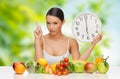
{"x": 36, "y": 34}
{"x": 97, "y": 38}
{"x": 37, "y": 31}
{"x": 38, "y": 28}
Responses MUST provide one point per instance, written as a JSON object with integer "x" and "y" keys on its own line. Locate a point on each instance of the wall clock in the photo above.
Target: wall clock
{"x": 86, "y": 26}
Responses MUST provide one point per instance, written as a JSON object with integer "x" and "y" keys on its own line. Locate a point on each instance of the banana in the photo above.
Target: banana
{"x": 80, "y": 61}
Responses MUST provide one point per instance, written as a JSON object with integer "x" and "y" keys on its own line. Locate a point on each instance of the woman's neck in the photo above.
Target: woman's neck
{"x": 57, "y": 36}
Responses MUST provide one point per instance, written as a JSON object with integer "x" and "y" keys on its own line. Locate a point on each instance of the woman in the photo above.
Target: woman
{"x": 55, "y": 45}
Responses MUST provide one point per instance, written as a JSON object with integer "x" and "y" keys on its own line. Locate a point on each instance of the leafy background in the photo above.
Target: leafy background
{"x": 17, "y": 23}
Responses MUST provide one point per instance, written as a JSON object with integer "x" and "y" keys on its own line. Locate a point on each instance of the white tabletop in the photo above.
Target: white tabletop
{"x": 7, "y": 72}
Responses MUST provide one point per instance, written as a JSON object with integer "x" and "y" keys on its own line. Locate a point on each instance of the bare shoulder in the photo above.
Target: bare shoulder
{"x": 73, "y": 41}
{"x": 45, "y": 36}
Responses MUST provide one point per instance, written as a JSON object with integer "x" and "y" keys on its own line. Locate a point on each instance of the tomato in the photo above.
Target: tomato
{"x": 66, "y": 64}
{"x": 55, "y": 72}
{"x": 66, "y": 69}
{"x": 57, "y": 66}
{"x": 59, "y": 73}
{"x": 61, "y": 68}
{"x": 66, "y": 59}
{"x": 61, "y": 61}
{"x": 65, "y": 72}
{"x": 62, "y": 64}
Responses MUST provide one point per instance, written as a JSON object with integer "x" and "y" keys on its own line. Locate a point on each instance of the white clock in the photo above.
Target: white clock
{"x": 86, "y": 26}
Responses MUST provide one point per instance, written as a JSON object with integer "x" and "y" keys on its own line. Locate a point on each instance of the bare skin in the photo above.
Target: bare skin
{"x": 56, "y": 42}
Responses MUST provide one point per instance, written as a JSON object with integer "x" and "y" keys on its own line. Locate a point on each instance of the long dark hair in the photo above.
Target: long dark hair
{"x": 57, "y": 12}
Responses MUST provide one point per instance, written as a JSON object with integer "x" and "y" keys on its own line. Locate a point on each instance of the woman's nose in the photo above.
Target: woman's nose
{"x": 51, "y": 26}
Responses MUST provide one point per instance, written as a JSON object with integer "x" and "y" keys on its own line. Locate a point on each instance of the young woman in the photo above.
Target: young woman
{"x": 55, "y": 45}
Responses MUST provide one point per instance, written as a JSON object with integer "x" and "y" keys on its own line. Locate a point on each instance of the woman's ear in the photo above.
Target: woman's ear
{"x": 63, "y": 21}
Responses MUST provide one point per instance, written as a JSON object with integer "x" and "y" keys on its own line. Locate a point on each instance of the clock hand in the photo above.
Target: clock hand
{"x": 86, "y": 24}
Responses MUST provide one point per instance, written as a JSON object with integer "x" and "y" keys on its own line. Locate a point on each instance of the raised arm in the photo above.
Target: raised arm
{"x": 75, "y": 49}
{"x": 38, "y": 43}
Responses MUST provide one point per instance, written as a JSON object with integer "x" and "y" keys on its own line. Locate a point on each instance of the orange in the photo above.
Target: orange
{"x": 19, "y": 67}
{"x": 99, "y": 59}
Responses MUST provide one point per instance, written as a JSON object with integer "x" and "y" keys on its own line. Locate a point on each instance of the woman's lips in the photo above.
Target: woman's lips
{"x": 52, "y": 31}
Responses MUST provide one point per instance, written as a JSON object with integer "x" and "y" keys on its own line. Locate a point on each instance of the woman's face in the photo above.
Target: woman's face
{"x": 54, "y": 24}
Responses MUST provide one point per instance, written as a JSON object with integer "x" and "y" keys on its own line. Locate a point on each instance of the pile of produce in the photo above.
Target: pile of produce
{"x": 64, "y": 67}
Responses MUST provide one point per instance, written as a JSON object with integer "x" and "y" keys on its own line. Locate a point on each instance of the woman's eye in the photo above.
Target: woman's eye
{"x": 48, "y": 23}
{"x": 55, "y": 23}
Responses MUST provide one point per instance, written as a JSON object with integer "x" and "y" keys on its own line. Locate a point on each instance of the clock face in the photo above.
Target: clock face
{"x": 86, "y": 26}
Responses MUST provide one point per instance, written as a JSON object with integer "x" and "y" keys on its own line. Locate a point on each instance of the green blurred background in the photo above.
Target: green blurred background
{"x": 17, "y": 23}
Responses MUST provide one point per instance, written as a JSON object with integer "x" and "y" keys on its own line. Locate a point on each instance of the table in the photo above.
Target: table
{"x": 7, "y": 72}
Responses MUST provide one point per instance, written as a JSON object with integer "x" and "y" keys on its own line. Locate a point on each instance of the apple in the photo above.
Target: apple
{"x": 102, "y": 67}
{"x": 90, "y": 67}
{"x": 78, "y": 67}
{"x": 19, "y": 67}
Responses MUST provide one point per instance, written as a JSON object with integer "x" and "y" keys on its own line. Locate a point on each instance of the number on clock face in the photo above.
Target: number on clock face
{"x": 86, "y": 26}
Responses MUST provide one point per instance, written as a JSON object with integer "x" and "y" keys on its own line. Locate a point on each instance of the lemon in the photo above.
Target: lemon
{"x": 42, "y": 61}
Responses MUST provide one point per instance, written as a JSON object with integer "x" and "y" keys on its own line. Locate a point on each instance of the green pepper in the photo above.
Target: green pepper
{"x": 70, "y": 67}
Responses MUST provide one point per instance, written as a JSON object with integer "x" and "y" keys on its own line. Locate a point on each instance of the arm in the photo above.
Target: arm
{"x": 38, "y": 43}
{"x": 75, "y": 49}
{"x": 87, "y": 53}
{"x": 38, "y": 48}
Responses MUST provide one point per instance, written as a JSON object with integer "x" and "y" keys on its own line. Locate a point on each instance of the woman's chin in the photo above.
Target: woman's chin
{"x": 52, "y": 34}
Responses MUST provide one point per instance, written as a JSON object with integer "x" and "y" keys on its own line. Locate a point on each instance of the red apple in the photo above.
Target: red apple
{"x": 19, "y": 67}
{"x": 90, "y": 67}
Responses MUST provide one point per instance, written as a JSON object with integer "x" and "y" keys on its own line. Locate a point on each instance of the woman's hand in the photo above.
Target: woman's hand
{"x": 38, "y": 43}
{"x": 97, "y": 39}
{"x": 38, "y": 31}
